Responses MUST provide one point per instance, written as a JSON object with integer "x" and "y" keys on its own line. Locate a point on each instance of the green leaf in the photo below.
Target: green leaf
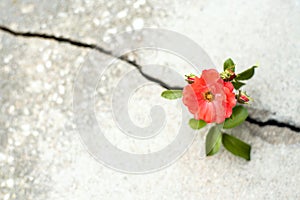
{"x": 229, "y": 64}
{"x": 237, "y": 84}
{"x": 172, "y": 94}
{"x": 197, "y": 124}
{"x": 247, "y": 74}
{"x": 239, "y": 114}
{"x": 213, "y": 141}
{"x": 236, "y": 146}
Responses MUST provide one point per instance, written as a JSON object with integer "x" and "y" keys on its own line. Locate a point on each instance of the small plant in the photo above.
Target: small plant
{"x": 215, "y": 97}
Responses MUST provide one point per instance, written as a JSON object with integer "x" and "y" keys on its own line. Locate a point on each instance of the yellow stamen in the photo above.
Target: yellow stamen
{"x": 209, "y": 96}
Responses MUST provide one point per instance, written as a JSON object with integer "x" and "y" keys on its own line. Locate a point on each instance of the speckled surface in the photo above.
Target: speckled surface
{"x": 41, "y": 154}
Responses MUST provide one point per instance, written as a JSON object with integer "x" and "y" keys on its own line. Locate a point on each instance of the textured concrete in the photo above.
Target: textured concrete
{"x": 41, "y": 154}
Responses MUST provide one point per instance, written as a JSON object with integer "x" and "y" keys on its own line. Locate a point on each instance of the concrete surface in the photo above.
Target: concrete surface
{"x": 41, "y": 154}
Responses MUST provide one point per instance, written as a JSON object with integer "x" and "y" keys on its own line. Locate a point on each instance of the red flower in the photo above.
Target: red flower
{"x": 209, "y": 98}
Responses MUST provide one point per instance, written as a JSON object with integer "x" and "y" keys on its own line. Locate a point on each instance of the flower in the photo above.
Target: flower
{"x": 209, "y": 97}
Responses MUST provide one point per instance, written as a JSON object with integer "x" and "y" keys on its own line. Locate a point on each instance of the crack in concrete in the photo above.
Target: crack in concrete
{"x": 85, "y": 45}
{"x": 272, "y": 122}
{"x": 124, "y": 58}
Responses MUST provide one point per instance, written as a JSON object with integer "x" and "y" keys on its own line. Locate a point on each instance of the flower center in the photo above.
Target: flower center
{"x": 209, "y": 96}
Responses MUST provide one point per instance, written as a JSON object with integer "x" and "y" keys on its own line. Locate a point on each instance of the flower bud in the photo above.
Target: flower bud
{"x": 243, "y": 98}
{"x": 190, "y": 78}
{"x": 228, "y": 75}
